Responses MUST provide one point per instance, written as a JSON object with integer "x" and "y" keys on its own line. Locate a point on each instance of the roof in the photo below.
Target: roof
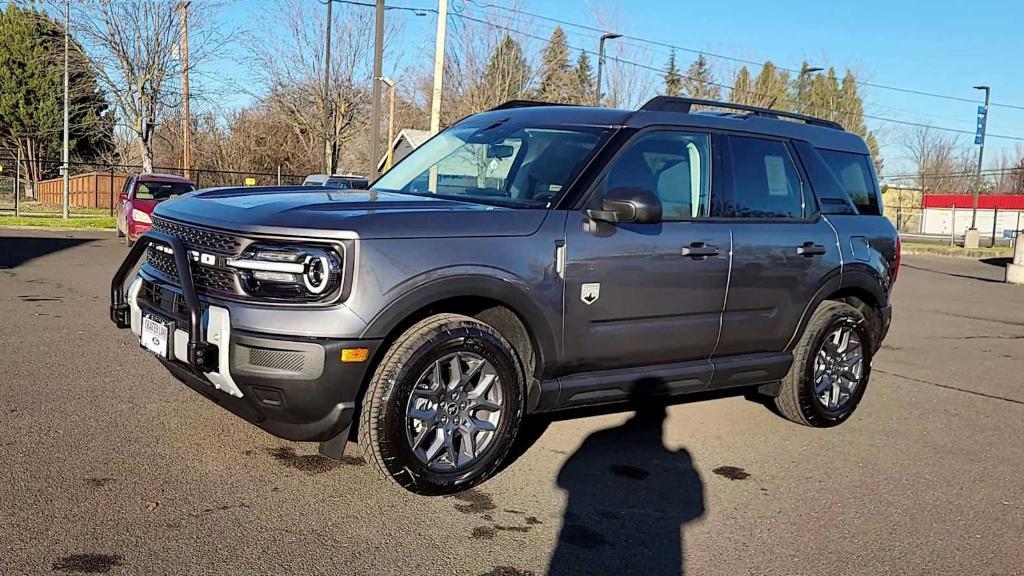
{"x": 985, "y": 201}
{"x": 821, "y": 133}
{"x": 415, "y": 137}
{"x": 158, "y": 177}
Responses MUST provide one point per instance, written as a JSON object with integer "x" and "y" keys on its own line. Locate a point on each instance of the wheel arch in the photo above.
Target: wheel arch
{"x": 855, "y": 286}
{"x": 497, "y": 302}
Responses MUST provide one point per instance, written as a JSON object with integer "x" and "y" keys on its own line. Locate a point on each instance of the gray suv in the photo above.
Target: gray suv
{"x": 528, "y": 259}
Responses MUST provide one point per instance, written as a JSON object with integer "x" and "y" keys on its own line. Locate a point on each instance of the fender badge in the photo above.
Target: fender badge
{"x": 589, "y": 293}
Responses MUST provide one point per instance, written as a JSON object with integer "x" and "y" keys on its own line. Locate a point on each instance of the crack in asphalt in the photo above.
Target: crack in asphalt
{"x": 948, "y": 387}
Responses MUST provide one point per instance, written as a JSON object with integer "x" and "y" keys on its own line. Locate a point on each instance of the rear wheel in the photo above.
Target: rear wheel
{"x": 831, "y": 366}
{"x": 444, "y": 406}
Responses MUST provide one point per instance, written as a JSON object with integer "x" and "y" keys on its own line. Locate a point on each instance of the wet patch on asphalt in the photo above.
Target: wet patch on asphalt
{"x": 627, "y": 471}
{"x": 475, "y": 502}
{"x": 484, "y": 533}
{"x": 87, "y": 563}
{"x": 311, "y": 464}
{"x": 732, "y": 472}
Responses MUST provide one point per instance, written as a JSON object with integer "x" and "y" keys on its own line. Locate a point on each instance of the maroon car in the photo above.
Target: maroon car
{"x": 141, "y": 193}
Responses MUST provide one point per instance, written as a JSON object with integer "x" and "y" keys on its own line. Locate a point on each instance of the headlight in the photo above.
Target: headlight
{"x": 289, "y": 272}
{"x": 140, "y": 216}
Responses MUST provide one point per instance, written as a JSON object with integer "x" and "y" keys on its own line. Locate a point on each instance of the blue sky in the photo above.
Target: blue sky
{"x": 943, "y": 47}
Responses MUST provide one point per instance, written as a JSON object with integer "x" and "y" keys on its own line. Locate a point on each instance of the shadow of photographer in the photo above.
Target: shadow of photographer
{"x": 629, "y": 497}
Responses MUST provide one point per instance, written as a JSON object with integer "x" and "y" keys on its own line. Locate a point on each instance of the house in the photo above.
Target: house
{"x": 406, "y": 141}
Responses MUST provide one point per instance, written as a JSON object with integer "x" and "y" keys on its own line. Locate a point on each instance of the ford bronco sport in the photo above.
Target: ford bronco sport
{"x": 528, "y": 259}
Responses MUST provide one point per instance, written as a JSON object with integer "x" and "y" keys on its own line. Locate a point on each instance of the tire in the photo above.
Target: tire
{"x": 797, "y": 399}
{"x": 128, "y": 240}
{"x": 413, "y": 364}
{"x": 119, "y": 233}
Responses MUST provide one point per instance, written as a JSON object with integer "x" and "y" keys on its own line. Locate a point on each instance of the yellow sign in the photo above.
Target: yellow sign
{"x": 250, "y": 181}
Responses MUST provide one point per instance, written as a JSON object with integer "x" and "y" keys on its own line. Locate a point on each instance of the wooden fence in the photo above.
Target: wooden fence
{"x": 88, "y": 190}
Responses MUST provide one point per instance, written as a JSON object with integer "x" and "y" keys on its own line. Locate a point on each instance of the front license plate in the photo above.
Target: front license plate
{"x": 154, "y": 336}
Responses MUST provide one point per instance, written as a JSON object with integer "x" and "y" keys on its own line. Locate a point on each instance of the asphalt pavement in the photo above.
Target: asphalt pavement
{"x": 109, "y": 465}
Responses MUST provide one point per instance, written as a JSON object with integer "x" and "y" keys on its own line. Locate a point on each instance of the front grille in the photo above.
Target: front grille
{"x": 205, "y": 278}
{"x": 199, "y": 238}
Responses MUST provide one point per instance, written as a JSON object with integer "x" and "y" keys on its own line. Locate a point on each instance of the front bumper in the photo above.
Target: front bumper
{"x": 293, "y": 387}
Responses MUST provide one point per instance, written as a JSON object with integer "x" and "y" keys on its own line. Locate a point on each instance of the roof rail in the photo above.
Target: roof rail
{"x": 680, "y": 104}
{"x": 526, "y": 104}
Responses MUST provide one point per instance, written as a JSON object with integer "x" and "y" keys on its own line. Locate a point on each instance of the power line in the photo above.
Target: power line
{"x": 733, "y": 58}
{"x": 726, "y": 86}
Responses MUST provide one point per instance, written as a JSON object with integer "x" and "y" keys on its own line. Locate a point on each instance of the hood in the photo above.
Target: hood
{"x": 291, "y": 211}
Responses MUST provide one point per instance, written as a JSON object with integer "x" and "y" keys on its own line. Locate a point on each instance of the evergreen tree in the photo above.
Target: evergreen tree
{"x": 31, "y": 98}
{"x": 506, "y": 75}
{"x": 771, "y": 88}
{"x": 699, "y": 82}
{"x": 584, "y": 77}
{"x": 673, "y": 80}
{"x": 556, "y": 82}
{"x": 742, "y": 87}
{"x": 851, "y": 116}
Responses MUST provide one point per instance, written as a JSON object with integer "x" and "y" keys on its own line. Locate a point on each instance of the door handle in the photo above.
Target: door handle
{"x": 699, "y": 250}
{"x": 810, "y": 249}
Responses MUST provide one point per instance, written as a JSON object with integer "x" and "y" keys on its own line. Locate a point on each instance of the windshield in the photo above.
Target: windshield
{"x": 162, "y": 190}
{"x": 502, "y": 164}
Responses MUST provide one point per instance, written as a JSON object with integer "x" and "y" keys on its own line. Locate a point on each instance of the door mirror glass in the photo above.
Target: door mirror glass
{"x": 629, "y": 205}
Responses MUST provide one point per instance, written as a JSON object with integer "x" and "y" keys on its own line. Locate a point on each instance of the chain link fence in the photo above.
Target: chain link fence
{"x": 94, "y": 187}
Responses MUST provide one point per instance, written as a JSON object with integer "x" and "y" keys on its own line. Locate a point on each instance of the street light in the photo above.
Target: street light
{"x": 391, "y": 120}
{"x": 600, "y": 63}
{"x": 980, "y": 139}
{"x": 805, "y": 70}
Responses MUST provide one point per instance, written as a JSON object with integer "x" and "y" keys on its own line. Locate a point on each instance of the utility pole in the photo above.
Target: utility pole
{"x": 328, "y": 156}
{"x": 600, "y": 63}
{"x": 378, "y": 65}
{"x": 972, "y": 237}
{"x": 186, "y": 116}
{"x": 435, "y": 98}
{"x": 391, "y": 121}
{"x": 805, "y": 71}
{"x": 65, "y": 168}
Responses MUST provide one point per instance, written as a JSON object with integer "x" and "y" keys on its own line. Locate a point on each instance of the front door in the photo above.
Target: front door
{"x": 648, "y": 294}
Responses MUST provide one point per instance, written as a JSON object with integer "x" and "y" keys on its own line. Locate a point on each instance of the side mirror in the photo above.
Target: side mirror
{"x": 636, "y": 205}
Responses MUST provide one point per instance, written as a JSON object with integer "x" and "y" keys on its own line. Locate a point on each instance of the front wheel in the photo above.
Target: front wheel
{"x": 831, "y": 366}
{"x": 444, "y": 406}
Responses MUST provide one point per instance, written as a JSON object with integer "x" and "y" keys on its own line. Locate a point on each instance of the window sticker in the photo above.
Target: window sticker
{"x": 775, "y": 167}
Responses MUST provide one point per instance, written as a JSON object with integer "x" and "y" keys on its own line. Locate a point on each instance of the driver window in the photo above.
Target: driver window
{"x": 674, "y": 165}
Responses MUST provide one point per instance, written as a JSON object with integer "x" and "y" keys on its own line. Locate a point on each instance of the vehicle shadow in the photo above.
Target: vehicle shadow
{"x": 628, "y": 498}
{"x": 964, "y": 276}
{"x": 17, "y": 250}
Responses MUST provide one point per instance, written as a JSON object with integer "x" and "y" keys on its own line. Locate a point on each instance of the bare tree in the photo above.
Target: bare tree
{"x": 134, "y": 45}
{"x": 288, "y": 59}
{"x": 629, "y": 77}
{"x": 941, "y": 163}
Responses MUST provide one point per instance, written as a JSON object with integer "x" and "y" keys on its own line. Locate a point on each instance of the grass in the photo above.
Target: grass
{"x": 76, "y": 222}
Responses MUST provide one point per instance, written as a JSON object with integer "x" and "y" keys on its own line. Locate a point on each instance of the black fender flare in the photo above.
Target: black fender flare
{"x": 857, "y": 276}
{"x": 506, "y": 291}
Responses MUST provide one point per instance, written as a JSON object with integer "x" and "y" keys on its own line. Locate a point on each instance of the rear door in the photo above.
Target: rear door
{"x": 783, "y": 249}
{"x": 648, "y": 294}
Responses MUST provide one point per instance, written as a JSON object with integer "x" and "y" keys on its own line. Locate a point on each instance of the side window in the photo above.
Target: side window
{"x": 126, "y": 188}
{"x": 764, "y": 180}
{"x": 854, "y": 173}
{"x": 674, "y": 165}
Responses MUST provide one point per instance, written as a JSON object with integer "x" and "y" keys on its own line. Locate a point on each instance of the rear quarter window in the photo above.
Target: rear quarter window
{"x": 856, "y": 175}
